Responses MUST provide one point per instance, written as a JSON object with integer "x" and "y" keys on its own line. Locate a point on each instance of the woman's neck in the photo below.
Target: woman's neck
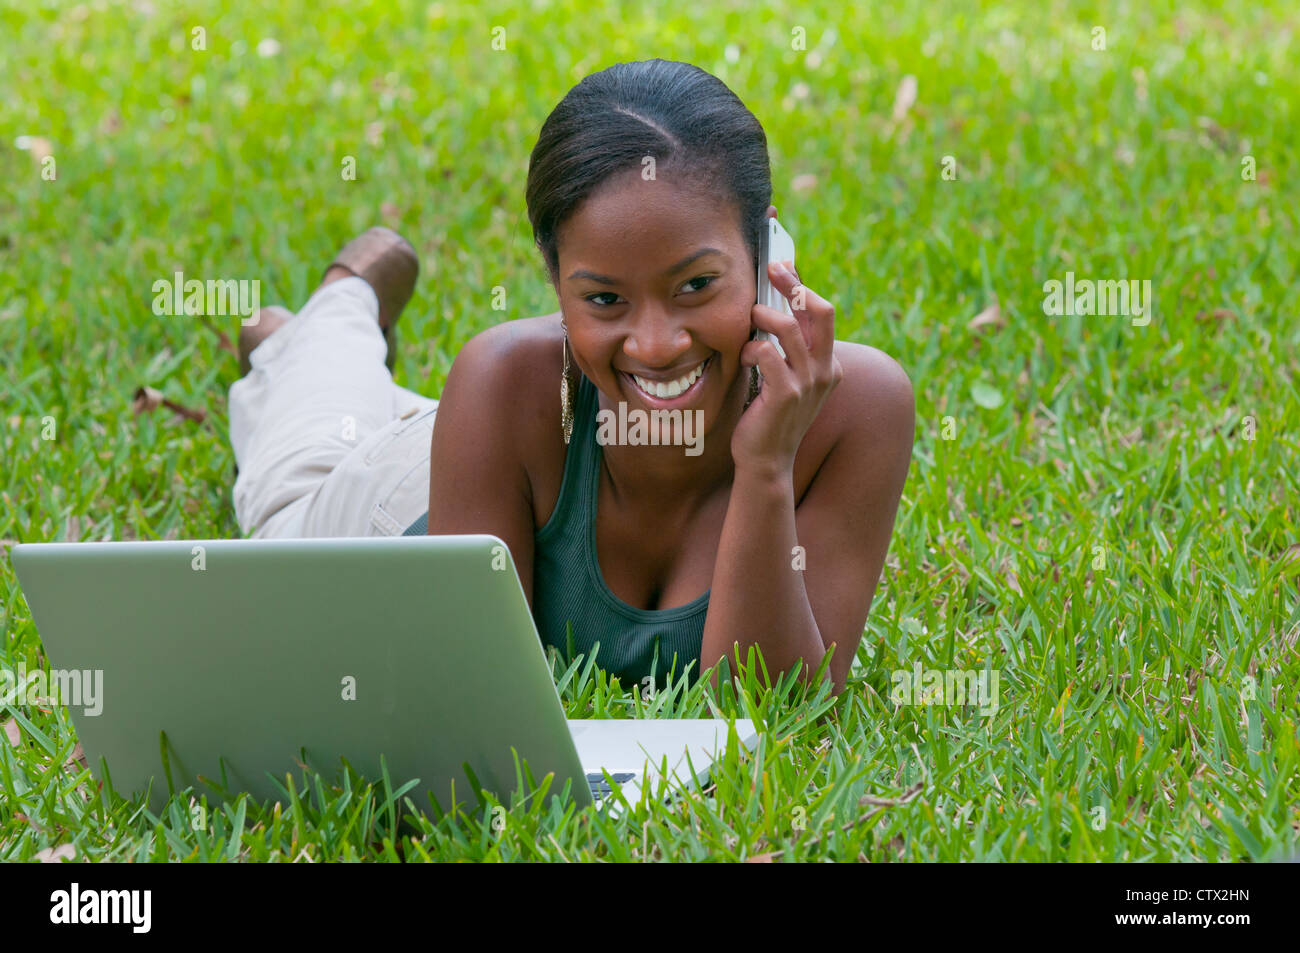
{"x": 672, "y": 475}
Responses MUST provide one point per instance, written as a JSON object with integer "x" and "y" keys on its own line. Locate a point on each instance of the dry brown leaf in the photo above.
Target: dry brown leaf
{"x": 223, "y": 339}
{"x": 990, "y": 317}
{"x": 147, "y": 400}
{"x": 38, "y": 146}
{"x": 760, "y": 858}
{"x": 1218, "y": 314}
{"x": 905, "y": 98}
{"x": 1215, "y": 132}
{"x": 12, "y": 732}
{"x": 78, "y": 756}
{"x": 54, "y": 855}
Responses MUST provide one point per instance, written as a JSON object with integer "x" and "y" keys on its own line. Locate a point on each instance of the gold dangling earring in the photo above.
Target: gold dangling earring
{"x": 566, "y": 397}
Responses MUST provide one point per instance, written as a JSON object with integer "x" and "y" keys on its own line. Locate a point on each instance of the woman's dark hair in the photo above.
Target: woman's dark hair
{"x": 688, "y": 120}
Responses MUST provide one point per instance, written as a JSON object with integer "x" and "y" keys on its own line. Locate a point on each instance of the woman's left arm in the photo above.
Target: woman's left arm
{"x": 796, "y": 577}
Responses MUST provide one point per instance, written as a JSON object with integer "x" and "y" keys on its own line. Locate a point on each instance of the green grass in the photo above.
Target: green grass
{"x": 1160, "y": 687}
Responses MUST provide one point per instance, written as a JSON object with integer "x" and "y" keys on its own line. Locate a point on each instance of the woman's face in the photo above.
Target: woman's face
{"x": 656, "y": 282}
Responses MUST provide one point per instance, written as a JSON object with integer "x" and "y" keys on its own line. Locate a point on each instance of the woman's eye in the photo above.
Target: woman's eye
{"x": 701, "y": 278}
{"x": 594, "y": 299}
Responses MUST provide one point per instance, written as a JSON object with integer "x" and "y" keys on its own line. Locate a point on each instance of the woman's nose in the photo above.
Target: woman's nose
{"x": 656, "y": 340}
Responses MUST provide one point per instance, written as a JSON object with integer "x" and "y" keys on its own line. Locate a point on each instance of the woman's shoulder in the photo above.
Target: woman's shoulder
{"x": 874, "y": 398}
{"x": 869, "y": 418}
{"x": 871, "y": 373}
{"x": 519, "y": 363}
{"x": 522, "y": 344}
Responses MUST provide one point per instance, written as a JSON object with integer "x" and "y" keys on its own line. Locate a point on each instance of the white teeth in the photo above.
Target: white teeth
{"x": 670, "y": 389}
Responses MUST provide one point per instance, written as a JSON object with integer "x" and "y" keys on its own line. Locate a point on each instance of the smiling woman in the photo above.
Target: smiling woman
{"x": 648, "y": 190}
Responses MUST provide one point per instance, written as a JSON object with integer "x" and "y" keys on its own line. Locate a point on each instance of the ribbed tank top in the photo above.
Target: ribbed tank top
{"x": 569, "y": 588}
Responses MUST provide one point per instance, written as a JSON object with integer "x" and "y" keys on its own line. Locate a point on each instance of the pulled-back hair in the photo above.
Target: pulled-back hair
{"x": 687, "y": 119}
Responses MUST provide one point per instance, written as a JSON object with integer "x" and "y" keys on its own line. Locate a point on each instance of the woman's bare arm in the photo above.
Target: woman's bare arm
{"x": 478, "y": 482}
{"x": 794, "y": 604}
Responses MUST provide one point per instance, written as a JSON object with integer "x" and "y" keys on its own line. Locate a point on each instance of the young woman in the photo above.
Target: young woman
{"x": 648, "y": 190}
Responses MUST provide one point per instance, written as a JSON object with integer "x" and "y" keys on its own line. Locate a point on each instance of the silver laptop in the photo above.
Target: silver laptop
{"x": 238, "y": 659}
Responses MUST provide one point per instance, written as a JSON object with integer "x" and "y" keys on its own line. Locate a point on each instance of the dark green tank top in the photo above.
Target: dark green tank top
{"x": 569, "y": 589}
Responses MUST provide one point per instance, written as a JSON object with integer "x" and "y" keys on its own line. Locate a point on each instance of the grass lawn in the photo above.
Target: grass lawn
{"x": 1100, "y": 511}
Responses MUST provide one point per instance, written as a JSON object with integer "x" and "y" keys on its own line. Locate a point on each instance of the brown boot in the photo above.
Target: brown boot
{"x": 265, "y": 321}
{"x": 387, "y": 262}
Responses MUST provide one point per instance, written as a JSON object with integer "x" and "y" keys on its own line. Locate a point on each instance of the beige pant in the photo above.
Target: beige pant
{"x": 327, "y": 444}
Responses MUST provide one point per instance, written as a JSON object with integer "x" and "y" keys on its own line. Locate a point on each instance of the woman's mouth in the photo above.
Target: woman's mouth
{"x": 671, "y": 394}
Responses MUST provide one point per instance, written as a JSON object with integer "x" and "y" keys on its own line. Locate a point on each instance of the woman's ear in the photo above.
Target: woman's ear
{"x": 771, "y": 211}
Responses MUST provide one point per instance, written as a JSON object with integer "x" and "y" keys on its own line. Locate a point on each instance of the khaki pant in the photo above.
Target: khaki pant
{"x": 327, "y": 444}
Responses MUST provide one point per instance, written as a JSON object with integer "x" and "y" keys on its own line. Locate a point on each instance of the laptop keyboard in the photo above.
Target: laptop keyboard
{"x": 600, "y": 787}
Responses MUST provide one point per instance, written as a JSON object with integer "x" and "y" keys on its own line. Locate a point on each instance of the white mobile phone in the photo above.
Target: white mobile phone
{"x": 775, "y": 245}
